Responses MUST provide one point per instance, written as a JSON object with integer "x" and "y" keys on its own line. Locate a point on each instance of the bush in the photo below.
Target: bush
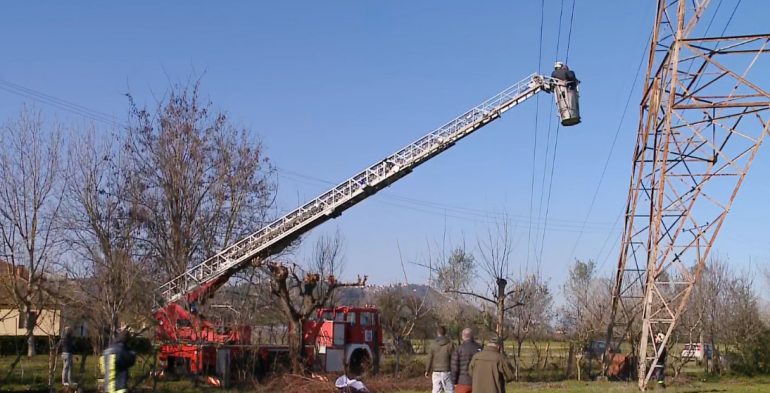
{"x": 753, "y": 355}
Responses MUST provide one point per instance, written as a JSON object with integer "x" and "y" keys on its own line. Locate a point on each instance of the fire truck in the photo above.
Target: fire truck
{"x": 336, "y": 339}
{"x": 341, "y": 336}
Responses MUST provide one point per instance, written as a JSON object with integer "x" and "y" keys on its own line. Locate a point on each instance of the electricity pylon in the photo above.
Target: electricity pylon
{"x": 702, "y": 121}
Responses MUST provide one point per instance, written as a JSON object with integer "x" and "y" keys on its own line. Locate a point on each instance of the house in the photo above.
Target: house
{"x": 47, "y": 318}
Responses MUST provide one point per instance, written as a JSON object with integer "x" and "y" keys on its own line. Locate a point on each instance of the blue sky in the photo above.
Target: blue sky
{"x": 331, "y": 87}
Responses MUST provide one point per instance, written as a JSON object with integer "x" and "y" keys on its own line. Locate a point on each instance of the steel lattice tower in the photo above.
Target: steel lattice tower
{"x": 702, "y": 121}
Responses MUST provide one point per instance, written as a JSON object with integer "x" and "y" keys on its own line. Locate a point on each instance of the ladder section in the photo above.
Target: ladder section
{"x": 278, "y": 234}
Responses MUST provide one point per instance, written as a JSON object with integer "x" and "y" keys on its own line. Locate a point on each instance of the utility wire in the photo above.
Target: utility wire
{"x": 568, "y": 224}
{"x": 108, "y": 119}
{"x": 607, "y": 239}
{"x": 612, "y": 145}
{"x": 558, "y": 34}
{"x": 569, "y": 36}
{"x": 708, "y": 27}
{"x": 534, "y": 147}
{"x": 59, "y": 103}
{"x": 488, "y": 220}
{"x": 556, "y": 141}
{"x": 548, "y": 134}
{"x": 550, "y": 187}
{"x": 729, "y": 20}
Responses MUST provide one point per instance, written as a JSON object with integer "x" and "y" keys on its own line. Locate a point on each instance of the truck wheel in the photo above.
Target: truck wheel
{"x": 360, "y": 362}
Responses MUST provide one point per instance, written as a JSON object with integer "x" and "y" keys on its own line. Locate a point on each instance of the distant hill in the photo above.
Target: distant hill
{"x": 367, "y": 295}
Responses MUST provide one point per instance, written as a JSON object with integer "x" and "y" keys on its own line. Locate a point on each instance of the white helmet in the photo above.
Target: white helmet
{"x": 558, "y": 65}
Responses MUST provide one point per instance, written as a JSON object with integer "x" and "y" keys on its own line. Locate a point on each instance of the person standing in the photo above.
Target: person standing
{"x": 117, "y": 360}
{"x": 461, "y": 358}
{"x": 660, "y": 367}
{"x": 67, "y": 349}
{"x": 439, "y": 357}
{"x": 490, "y": 370}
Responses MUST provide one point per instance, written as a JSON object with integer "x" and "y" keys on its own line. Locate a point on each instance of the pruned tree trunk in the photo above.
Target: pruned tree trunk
{"x": 296, "y": 347}
{"x": 52, "y": 350}
{"x": 500, "y": 298}
{"x": 517, "y": 359}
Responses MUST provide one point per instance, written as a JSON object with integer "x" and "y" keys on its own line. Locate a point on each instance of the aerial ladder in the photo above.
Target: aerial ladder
{"x": 200, "y": 282}
{"x": 203, "y": 278}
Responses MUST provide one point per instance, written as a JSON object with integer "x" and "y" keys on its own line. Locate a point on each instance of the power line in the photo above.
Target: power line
{"x": 59, "y": 103}
{"x": 556, "y": 142}
{"x": 550, "y": 187}
{"x": 569, "y": 36}
{"x": 708, "y": 27}
{"x": 713, "y": 16}
{"x": 558, "y": 34}
{"x": 445, "y": 209}
{"x": 612, "y": 145}
{"x": 730, "y": 19}
{"x": 548, "y": 138}
{"x": 534, "y": 147}
{"x": 606, "y": 241}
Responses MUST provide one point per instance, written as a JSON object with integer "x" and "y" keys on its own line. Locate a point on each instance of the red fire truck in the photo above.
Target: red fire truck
{"x": 339, "y": 336}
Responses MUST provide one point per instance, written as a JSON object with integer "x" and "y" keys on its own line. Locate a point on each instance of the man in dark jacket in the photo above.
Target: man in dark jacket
{"x": 660, "y": 367}
{"x": 490, "y": 370}
{"x": 439, "y": 357}
{"x": 562, "y": 72}
{"x": 461, "y": 358}
{"x": 117, "y": 360}
{"x": 67, "y": 349}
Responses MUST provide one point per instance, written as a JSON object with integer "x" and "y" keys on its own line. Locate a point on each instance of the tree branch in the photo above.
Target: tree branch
{"x": 472, "y": 294}
{"x": 512, "y": 306}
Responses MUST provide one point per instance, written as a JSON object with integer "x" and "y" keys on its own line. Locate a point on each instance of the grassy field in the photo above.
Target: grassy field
{"x": 31, "y": 375}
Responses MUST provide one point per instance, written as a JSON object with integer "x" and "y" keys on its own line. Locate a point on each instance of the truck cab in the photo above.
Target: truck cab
{"x": 344, "y": 338}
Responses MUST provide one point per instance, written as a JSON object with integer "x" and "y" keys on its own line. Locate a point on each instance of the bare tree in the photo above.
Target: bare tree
{"x": 454, "y": 272}
{"x": 743, "y": 327}
{"x": 584, "y": 316}
{"x": 450, "y": 274}
{"x": 200, "y": 181}
{"x": 533, "y": 317}
{"x": 495, "y": 251}
{"x": 711, "y": 301}
{"x": 105, "y": 233}
{"x": 401, "y": 312}
{"x": 30, "y": 201}
{"x": 301, "y": 295}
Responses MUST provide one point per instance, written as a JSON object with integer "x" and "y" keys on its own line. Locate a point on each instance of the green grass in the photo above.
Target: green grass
{"x": 727, "y": 385}
{"x": 31, "y": 374}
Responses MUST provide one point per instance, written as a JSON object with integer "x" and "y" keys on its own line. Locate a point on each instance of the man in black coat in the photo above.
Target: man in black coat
{"x": 117, "y": 360}
{"x": 659, "y": 373}
{"x": 461, "y": 358}
{"x": 67, "y": 349}
{"x": 562, "y": 72}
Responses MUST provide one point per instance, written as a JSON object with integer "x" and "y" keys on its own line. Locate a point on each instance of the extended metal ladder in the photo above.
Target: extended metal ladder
{"x": 277, "y": 235}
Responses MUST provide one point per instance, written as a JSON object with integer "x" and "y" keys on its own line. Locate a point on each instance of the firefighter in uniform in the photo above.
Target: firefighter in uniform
{"x": 116, "y": 361}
